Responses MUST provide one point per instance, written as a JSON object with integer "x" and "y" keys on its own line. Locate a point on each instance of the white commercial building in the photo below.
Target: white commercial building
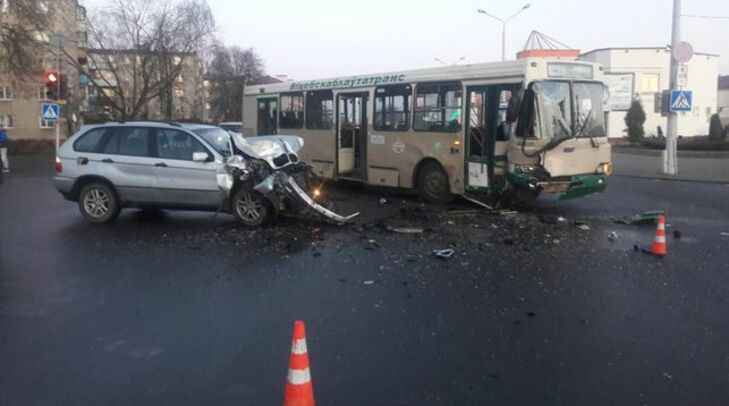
{"x": 644, "y": 73}
{"x": 724, "y": 92}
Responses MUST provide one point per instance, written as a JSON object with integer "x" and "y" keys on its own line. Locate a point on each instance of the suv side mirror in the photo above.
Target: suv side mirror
{"x": 200, "y": 156}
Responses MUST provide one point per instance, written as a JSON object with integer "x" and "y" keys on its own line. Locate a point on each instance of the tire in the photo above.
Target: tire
{"x": 98, "y": 203}
{"x": 433, "y": 184}
{"x": 251, "y": 208}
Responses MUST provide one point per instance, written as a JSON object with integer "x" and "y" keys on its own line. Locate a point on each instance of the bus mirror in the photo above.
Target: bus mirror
{"x": 512, "y": 112}
{"x": 525, "y": 115}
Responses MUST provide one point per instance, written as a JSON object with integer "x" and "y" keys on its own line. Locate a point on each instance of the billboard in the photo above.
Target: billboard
{"x": 622, "y": 88}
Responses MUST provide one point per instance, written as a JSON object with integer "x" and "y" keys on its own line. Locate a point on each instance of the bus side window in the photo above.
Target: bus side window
{"x": 392, "y": 108}
{"x": 291, "y": 111}
{"x": 319, "y": 110}
{"x": 438, "y": 107}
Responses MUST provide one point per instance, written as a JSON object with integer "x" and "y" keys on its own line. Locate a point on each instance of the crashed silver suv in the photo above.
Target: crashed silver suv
{"x": 112, "y": 166}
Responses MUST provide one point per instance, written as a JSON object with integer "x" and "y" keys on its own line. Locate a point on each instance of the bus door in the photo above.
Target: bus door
{"x": 487, "y": 134}
{"x": 267, "y": 116}
{"x": 351, "y": 135}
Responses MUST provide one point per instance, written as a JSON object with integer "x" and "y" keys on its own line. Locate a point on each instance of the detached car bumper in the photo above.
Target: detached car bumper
{"x": 583, "y": 185}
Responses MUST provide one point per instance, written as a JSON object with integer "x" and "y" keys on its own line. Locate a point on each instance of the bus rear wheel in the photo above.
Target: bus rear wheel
{"x": 433, "y": 184}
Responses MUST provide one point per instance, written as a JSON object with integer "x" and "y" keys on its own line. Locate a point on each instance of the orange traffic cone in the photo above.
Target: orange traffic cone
{"x": 299, "y": 389}
{"x": 659, "y": 244}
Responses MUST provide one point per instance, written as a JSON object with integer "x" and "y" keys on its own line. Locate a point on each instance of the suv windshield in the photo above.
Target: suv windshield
{"x": 570, "y": 109}
{"x": 217, "y": 138}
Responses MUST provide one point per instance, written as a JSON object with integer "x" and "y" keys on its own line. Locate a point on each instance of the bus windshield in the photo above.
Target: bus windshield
{"x": 570, "y": 109}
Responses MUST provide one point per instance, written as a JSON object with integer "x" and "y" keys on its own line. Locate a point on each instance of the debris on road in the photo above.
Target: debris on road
{"x": 369, "y": 282}
{"x": 677, "y": 234}
{"x": 406, "y": 230}
{"x": 384, "y": 201}
{"x": 613, "y": 236}
{"x": 584, "y": 227}
{"x": 444, "y": 254}
{"x": 647, "y": 217}
{"x": 725, "y": 234}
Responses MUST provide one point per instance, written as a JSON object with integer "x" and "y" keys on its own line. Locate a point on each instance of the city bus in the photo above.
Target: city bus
{"x": 487, "y": 131}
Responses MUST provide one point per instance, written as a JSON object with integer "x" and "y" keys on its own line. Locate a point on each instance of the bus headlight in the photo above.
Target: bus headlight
{"x": 605, "y": 168}
{"x": 519, "y": 168}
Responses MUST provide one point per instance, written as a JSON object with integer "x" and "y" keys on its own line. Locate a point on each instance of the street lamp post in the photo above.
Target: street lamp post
{"x": 503, "y": 22}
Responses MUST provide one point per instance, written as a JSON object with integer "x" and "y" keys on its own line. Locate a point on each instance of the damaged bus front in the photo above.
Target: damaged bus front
{"x": 264, "y": 176}
{"x": 560, "y": 143}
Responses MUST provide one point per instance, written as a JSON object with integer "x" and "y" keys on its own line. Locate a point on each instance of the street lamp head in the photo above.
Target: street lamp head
{"x": 526, "y": 6}
{"x": 482, "y": 11}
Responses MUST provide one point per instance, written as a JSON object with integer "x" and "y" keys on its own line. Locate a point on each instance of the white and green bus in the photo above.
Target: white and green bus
{"x": 482, "y": 131}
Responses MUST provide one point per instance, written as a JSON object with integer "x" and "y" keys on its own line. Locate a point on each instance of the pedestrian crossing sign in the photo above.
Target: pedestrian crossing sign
{"x": 50, "y": 111}
{"x": 681, "y": 100}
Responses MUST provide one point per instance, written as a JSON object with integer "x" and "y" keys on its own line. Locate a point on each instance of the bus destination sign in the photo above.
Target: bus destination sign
{"x": 352, "y": 82}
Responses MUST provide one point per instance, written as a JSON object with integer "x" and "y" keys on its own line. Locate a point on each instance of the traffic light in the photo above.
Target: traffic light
{"x": 52, "y": 80}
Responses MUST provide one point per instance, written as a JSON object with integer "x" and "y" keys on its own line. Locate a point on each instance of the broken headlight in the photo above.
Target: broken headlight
{"x": 605, "y": 168}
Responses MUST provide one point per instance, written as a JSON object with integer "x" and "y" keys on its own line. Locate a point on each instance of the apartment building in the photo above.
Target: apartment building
{"x": 112, "y": 70}
{"x": 21, "y": 95}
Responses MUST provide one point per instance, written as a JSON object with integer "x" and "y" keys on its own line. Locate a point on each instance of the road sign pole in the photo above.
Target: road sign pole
{"x": 670, "y": 158}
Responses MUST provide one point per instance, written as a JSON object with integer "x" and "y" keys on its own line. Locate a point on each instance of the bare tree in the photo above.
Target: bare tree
{"x": 139, "y": 48}
{"x": 229, "y": 70}
{"x": 19, "y": 36}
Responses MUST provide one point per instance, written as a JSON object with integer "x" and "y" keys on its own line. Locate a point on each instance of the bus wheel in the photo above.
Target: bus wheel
{"x": 433, "y": 184}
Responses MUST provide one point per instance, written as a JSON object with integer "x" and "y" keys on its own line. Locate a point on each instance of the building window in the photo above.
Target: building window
{"x": 392, "y": 108}
{"x": 83, "y": 39}
{"x": 6, "y": 93}
{"x": 7, "y": 121}
{"x": 438, "y": 107}
{"x": 4, "y": 6}
{"x": 42, "y": 92}
{"x": 320, "y": 110}
{"x": 45, "y": 123}
{"x": 650, "y": 83}
{"x": 292, "y": 110}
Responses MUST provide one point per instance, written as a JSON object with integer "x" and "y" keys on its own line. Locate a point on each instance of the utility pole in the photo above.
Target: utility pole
{"x": 59, "y": 39}
{"x": 503, "y": 22}
{"x": 670, "y": 160}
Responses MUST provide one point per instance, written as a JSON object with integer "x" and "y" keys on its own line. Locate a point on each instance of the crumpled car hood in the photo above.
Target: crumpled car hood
{"x": 269, "y": 146}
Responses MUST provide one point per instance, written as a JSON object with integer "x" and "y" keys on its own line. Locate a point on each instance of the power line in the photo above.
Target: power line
{"x": 705, "y": 17}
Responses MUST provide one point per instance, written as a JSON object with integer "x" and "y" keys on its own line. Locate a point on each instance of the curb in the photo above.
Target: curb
{"x": 681, "y": 154}
{"x": 670, "y": 179}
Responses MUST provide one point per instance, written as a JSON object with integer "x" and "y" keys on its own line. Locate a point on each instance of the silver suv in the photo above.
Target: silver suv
{"x": 141, "y": 164}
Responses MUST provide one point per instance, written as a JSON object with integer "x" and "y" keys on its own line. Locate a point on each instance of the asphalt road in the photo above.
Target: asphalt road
{"x": 180, "y": 308}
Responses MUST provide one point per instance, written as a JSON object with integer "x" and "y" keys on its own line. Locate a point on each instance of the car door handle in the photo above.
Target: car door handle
{"x": 107, "y": 161}
{"x": 82, "y": 160}
{"x": 160, "y": 165}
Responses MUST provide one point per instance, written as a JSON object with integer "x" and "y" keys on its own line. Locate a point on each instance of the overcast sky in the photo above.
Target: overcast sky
{"x": 309, "y": 39}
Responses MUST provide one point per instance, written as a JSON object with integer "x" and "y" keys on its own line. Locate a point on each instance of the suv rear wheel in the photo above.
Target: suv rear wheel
{"x": 98, "y": 203}
{"x": 251, "y": 208}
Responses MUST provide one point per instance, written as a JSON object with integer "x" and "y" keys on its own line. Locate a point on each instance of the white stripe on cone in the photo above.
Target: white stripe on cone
{"x": 661, "y": 226}
{"x": 298, "y": 347}
{"x": 299, "y": 376}
{"x": 661, "y": 239}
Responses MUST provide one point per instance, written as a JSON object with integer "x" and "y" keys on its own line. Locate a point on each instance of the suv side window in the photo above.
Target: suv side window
{"x": 89, "y": 142}
{"x": 174, "y": 144}
{"x": 132, "y": 141}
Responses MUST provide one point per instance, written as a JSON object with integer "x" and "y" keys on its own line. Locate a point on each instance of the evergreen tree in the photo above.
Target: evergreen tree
{"x": 634, "y": 120}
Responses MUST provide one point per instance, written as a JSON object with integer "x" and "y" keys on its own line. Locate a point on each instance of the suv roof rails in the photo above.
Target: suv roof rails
{"x": 172, "y": 123}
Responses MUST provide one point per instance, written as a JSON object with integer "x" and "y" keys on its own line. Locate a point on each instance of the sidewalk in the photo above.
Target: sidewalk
{"x": 691, "y": 167}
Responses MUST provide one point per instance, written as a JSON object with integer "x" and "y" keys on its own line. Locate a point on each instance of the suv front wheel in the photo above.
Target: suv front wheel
{"x": 98, "y": 203}
{"x": 251, "y": 208}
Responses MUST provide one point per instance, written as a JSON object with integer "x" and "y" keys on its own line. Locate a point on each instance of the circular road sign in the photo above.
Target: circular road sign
{"x": 683, "y": 52}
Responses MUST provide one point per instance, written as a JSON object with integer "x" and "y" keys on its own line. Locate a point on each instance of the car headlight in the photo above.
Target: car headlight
{"x": 605, "y": 168}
